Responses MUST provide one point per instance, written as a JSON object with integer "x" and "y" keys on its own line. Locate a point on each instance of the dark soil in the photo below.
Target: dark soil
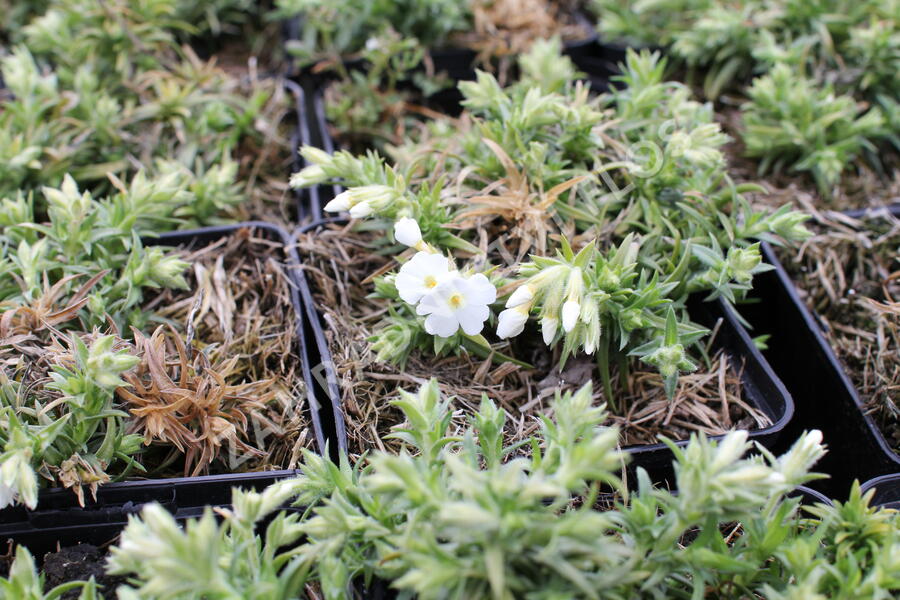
{"x": 80, "y": 563}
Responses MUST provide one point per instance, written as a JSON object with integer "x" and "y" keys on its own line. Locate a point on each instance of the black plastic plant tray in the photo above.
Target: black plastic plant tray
{"x": 887, "y": 490}
{"x": 809, "y": 496}
{"x": 185, "y": 496}
{"x": 314, "y": 131}
{"x": 761, "y": 386}
{"x": 317, "y": 359}
{"x": 823, "y": 392}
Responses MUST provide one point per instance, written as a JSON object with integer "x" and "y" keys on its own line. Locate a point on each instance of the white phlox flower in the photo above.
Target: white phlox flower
{"x": 421, "y": 275}
{"x": 512, "y": 320}
{"x": 458, "y": 302}
{"x": 339, "y": 203}
{"x": 524, "y": 294}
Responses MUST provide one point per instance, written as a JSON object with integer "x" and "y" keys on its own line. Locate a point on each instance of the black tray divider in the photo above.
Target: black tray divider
{"x": 317, "y": 360}
{"x": 307, "y": 201}
{"x": 887, "y": 490}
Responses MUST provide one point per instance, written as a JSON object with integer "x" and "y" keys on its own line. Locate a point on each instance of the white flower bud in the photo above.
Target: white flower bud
{"x": 570, "y": 311}
{"x": 360, "y": 210}
{"x": 407, "y": 232}
{"x": 512, "y": 321}
{"x": 311, "y": 175}
{"x": 340, "y": 203}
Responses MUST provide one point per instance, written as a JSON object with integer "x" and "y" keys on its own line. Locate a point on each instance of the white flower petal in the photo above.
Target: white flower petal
{"x": 435, "y": 263}
{"x": 409, "y": 287}
{"x": 339, "y": 203}
{"x": 407, "y": 232}
{"x": 479, "y": 288}
{"x": 460, "y": 300}
{"x": 441, "y": 325}
{"x": 511, "y": 322}
{"x": 472, "y": 317}
{"x": 570, "y": 312}
{"x": 524, "y": 294}
{"x": 421, "y": 275}
{"x": 434, "y": 303}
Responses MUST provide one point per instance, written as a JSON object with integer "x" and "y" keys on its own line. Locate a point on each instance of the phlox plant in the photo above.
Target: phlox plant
{"x": 73, "y": 433}
{"x": 167, "y": 17}
{"x": 456, "y": 514}
{"x": 636, "y": 176}
{"x": 371, "y": 105}
{"x": 338, "y": 28}
{"x": 90, "y": 240}
{"x": 792, "y": 124}
{"x": 106, "y": 88}
{"x": 853, "y": 43}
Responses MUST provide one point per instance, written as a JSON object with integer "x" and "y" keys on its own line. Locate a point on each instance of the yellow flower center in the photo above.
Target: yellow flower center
{"x": 430, "y": 281}
{"x": 455, "y": 301}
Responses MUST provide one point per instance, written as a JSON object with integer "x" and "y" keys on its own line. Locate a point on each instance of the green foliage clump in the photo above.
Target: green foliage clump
{"x": 84, "y": 270}
{"x": 459, "y": 515}
{"x": 183, "y": 19}
{"x": 337, "y": 28}
{"x": 100, "y": 88}
{"x": 792, "y": 124}
{"x": 854, "y": 44}
{"x": 371, "y": 107}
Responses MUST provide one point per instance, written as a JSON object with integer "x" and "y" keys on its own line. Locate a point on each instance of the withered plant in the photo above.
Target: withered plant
{"x": 180, "y": 399}
{"x": 507, "y": 27}
{"x": 240, "y": 324}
